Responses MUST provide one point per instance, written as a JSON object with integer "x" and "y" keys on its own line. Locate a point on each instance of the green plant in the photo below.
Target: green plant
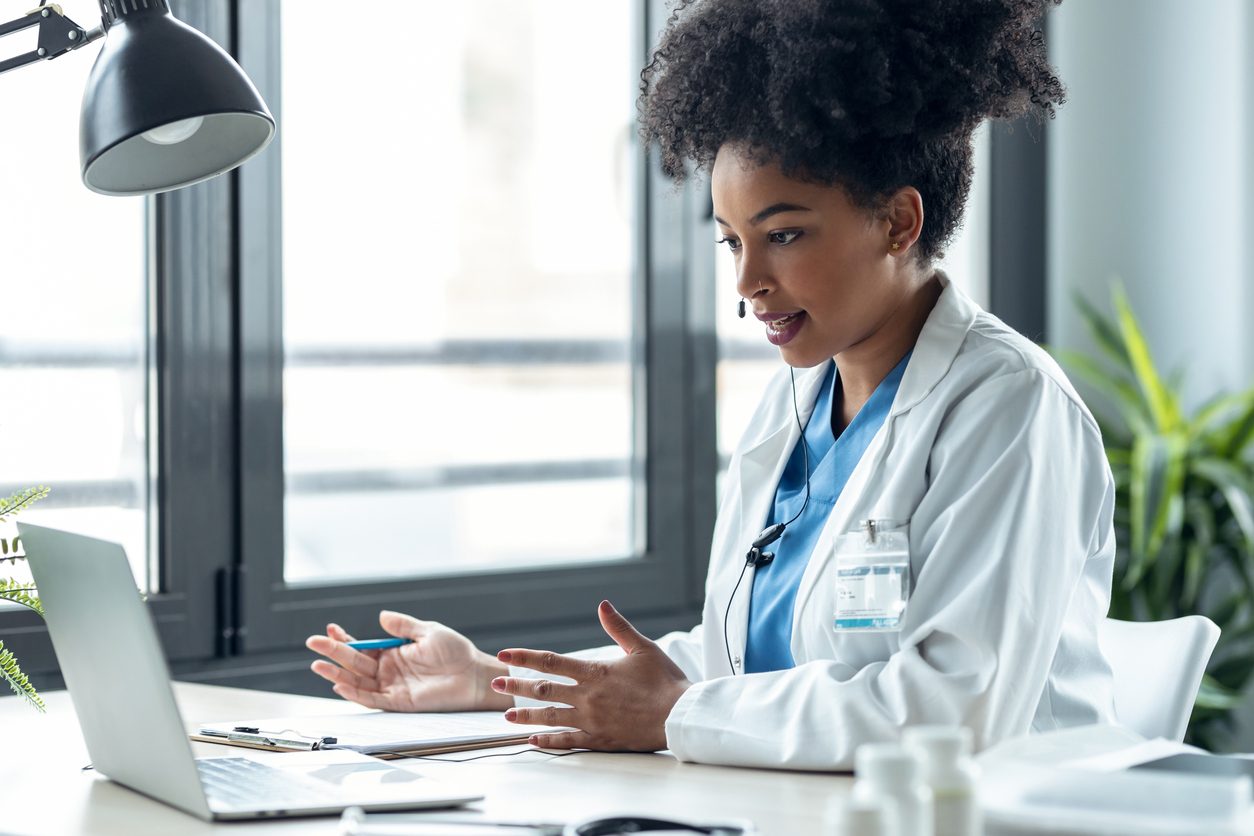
{"x": 1184, "y": 509}
{"x": 18, "y": 592}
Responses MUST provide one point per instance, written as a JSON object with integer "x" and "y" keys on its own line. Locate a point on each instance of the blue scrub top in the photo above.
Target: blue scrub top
{"x": 832, "y": 460}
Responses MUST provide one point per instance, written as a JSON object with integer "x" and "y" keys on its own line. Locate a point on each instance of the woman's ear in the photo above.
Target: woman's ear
{"x": 904, "y": 213}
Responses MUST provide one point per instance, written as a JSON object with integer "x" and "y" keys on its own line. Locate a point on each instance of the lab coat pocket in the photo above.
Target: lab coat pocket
{"x": 873, "y": 581}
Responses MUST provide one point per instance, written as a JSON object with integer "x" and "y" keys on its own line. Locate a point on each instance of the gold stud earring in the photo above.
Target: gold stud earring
{"x": 896, "y": 246}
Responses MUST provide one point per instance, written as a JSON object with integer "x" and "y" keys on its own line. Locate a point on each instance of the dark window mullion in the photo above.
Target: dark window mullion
{"x": 195, "y": 399}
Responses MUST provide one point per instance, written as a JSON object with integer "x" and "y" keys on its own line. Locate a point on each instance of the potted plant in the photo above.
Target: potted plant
{"x": 19, "y": 592}
{"x": 1184, "y": 509}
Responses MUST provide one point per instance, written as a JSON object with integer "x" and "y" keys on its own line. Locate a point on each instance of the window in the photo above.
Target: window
{"x": 464, "y": 365}
{"x": 457, "y": 289}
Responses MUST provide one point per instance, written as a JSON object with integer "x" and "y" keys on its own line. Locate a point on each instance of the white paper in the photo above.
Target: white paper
{"x": 384, "y": 731}
{"x": 1134, "y": 755}
{"x": 1022, "y": 798}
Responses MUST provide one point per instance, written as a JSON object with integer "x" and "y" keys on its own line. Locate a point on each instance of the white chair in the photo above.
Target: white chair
{"x": 1158, "y": 667}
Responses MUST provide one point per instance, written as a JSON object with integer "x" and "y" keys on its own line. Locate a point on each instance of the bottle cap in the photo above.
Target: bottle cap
{"x": 944, "y": 743}
{"x": 886, "y": 763}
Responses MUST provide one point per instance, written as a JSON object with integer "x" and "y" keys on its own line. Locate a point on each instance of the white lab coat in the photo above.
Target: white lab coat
{"x": 999, "y": 467}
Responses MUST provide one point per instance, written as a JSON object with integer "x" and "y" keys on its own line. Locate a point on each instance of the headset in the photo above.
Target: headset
{"x": 756, "y": 557}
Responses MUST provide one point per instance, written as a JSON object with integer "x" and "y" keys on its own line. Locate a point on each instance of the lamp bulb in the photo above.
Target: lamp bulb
{"x": 174, "y": 132}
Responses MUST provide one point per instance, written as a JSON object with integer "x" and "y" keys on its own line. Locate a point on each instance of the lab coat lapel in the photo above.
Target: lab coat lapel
{"x": 758, "y": 470}
{"x": 934, "y": 352}
{"x": 939, "y": 342}
{"x": 762, "y": 460}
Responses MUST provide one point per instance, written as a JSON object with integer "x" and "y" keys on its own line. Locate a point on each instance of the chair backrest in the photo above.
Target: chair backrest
{"x": 1158, "y": 667}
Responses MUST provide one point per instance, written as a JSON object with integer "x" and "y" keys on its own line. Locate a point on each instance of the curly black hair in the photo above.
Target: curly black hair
{"x": 869, "y": 95}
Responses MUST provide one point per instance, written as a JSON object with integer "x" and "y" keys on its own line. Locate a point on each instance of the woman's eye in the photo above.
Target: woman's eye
{"x": 786, "y": 236}
{"x": 732, "y": 243}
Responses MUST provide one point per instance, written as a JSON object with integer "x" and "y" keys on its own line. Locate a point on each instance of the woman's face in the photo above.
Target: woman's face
{"x": 817, "y": 270}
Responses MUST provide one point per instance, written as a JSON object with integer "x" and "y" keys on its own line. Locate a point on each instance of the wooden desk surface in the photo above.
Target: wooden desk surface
{"x": 43, "y": 790}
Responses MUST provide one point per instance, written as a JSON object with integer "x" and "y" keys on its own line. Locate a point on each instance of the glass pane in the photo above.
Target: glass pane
{"x": 457, "y": 251}
{"x": 966, "y": 258}
{"x": 73, "y": 345}
{"x": 746, "y": 360}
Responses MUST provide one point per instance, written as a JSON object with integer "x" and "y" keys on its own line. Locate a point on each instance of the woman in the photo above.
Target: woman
{"x": 838, "y": 140}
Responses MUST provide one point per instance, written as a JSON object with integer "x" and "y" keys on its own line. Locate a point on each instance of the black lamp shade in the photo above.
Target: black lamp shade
{"x": 153, "y": 73}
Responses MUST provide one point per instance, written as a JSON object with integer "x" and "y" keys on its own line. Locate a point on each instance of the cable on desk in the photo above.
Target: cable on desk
{"x": 550, "y": 755}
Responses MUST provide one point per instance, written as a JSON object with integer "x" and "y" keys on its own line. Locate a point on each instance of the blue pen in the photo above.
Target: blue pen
{"x": 377, "y": 644}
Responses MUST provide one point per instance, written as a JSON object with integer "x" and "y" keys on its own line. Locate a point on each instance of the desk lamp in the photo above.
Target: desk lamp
{"x": 164, "y": 107}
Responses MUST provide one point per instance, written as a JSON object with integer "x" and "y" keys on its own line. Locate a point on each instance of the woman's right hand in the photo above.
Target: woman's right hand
{"x": 440, "y": 670}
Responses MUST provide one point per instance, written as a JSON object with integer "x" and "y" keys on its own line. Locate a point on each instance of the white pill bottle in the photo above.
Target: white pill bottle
{"x": 889, "y": 773}
{"x": 864, "y": 815}
{"x": 945, "y": 752}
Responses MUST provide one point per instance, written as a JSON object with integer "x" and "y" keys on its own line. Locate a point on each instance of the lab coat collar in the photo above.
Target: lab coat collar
{"x": 942, "y": 336}
{"x": 947, "y": 325}
{"x": 762, "y": 458}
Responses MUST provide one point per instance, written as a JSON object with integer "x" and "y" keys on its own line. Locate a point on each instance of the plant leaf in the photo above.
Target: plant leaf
{"x": 1163, "y": 404}
{"x": 1121, "y": 392}
{"x": 1235, "y": 437}
{"x": 1104, "y": 332}
{"x": 12, "y": 674}
{"x": 1201, "y": 520}
{"x": 1234, "y": 671}
{"x": 1157, "y": 498}
{"x": 1214, "y": 695}
{"x": 20, "y": 501}
{"x": 1235, "y": 488}
{"x": 20, "y": 592}
{"x": 1219, "y": 407}
{"x": 1227, "y": 610}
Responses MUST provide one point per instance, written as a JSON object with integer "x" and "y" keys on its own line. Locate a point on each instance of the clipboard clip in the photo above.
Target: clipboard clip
{"x": 254, "y": 735}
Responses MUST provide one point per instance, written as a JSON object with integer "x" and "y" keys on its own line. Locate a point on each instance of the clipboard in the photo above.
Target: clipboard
{"x": 378, "y": 733}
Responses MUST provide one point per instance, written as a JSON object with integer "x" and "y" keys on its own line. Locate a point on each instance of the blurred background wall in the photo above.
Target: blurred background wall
{"x": 1150, "y": 180}
{"x": 1150, "y": 183}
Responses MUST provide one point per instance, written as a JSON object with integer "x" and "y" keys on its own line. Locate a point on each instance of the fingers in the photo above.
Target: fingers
{"x": 401, "y": 625}
{"x": 620, "y": 630}
{"x": 549, "y": 715}
{"x": 370, "y": 699}
{"x": 540, "y": 689}
{"x": 338, "y": 633}
{"x": 546, "y": 661}
{"x": 341, "y": 676}
{"x": 562, "y": 740}
{"x": 335, "y": 633}
{"x": 343, "y": 655}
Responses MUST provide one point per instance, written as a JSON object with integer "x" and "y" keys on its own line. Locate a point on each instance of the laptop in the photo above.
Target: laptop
{"x": 120, "y": 686}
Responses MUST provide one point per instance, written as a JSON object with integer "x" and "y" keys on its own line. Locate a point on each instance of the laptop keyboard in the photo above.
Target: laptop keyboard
{"x": 240, "y": 782}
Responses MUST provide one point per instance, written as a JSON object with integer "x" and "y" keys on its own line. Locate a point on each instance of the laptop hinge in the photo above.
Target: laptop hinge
{"x": 230, "y": 583}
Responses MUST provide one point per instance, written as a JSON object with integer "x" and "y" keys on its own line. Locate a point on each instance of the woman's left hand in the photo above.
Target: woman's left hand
{"x": 617, "y": 706}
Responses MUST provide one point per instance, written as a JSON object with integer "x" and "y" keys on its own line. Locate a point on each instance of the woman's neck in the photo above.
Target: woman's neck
{"x": 865, "y": 365}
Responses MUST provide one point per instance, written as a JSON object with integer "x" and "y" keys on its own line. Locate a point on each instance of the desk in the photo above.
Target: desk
{"x": 45, "y": 792}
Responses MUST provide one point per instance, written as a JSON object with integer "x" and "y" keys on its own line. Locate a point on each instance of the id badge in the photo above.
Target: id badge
{"x": 872, "y": 576}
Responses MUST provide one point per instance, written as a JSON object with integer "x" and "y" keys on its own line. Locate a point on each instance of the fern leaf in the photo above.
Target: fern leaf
{"x": 20, "y": 592}
{"x": 17, "y": 680}
{"x": 20, "y": 501}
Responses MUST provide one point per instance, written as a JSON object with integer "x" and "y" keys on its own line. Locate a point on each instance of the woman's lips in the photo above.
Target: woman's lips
{"x": 782, "y": 327}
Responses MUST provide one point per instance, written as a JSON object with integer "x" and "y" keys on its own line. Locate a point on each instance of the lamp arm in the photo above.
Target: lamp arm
{"x": 57, "y": 36}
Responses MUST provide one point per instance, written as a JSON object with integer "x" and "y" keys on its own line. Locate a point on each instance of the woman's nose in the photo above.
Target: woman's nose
{"x": 749, "y": 277}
